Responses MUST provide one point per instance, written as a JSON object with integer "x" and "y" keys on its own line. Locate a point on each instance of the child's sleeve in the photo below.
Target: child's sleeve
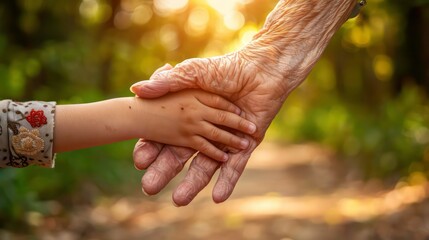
{"x": 26, "y": 134}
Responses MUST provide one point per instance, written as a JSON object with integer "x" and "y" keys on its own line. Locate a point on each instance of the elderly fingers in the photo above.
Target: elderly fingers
{"x": 198, "y": 176}
{"x": 167, "y": 165}
{"x": 161, "y": 69}
{"x": 145, "y": 152}
{"x": 229, "y": 175}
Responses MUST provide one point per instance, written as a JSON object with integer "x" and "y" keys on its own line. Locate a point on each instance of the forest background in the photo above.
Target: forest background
{"x": 366, "y": 99}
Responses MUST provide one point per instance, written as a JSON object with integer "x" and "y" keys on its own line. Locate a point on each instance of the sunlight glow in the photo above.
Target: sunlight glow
{"x": 94, "y": 11}
{"x": 197, "y": 22}
{"x": 224, "y": 7}
{"x": 246, "y": 34}
{"x": 122, "y": 20}
{"x": 169, "y": 37}
{"x": 89, "y": 8}
{"x": 360, "y": 36}
{"x": 168, "y": 7}
{"x": 383, "y": 67}
{"x": 234, "y": 20}
{"x": 142, "y": 14}
{"x": 130, "y": 5}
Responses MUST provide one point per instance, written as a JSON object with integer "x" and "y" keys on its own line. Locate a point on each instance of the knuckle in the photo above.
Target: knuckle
{"x": 221, "y": 117}
{"x": 215, "y": 100}
{"x": 189, "y": 61}
{"x": 188, "y": 118}
{"x": 201, "y": 172}
{"x": 232, "y": 174}
{"x": 214, "y": 133}
{"x": 190, "y": 66}
{"x": 242, "y": 124}
{"x": 203, "y": 146}
{"x": 234, "y": 140}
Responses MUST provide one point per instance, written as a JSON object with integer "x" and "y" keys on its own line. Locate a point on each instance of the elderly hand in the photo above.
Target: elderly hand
{"x": 258, "y": 94}
{"x": 258, "y": 78}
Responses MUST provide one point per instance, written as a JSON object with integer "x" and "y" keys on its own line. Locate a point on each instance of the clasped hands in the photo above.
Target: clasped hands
{"x": 257, "y": 93}
{"x": 258, "y": 78}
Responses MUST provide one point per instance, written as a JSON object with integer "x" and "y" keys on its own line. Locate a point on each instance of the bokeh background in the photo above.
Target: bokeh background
{"x": 364, "y": 107}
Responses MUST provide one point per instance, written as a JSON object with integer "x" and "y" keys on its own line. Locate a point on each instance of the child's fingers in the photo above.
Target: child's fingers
{"x": 207, "y": 148}
{"x": 219, "y": 135}
{"x": 218, "y": 102}
{"x": 230, "y": 120}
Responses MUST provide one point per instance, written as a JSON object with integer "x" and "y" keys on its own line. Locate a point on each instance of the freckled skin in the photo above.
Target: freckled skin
{"x": 92, "y": 124}
{"x": 108, "y": 128}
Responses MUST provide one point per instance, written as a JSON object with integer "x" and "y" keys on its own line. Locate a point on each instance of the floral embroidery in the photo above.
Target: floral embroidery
{"x": 26, "y": 133}
{"x": 36, "y": 118}
{"x": 27, "y": 142}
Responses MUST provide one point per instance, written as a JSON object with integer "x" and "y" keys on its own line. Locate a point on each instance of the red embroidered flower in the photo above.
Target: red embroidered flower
{"x": 36, "y": 118}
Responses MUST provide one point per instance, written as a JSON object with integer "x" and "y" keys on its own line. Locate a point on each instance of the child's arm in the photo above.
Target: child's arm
{"x": 188, "y": 118}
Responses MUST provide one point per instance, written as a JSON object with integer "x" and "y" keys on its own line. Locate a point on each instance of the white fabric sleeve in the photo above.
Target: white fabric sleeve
{"x": 26, "y": 134}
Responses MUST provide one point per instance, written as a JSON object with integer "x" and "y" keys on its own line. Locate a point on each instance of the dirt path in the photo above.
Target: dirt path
{"x": 297, "y": 192}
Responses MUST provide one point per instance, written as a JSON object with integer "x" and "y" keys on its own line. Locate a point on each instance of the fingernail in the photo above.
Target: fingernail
{"x": 145, "y": 193}
{"x": 225, "y": 157}
{"x": 244, "y": 143}
{"x": 133, "y": 89}
{"x": 135, "y": 166}
{"x": 238, "y": 111}
{"x": 252, "y": 128}
{"x": 135, "y": 86}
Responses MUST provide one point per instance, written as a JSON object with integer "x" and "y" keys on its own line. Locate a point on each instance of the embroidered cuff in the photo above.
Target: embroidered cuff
{"x": 26, "y": 133}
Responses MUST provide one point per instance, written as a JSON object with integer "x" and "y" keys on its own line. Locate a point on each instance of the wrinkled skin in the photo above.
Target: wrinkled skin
{"x": 258, "y": 99}
{"x": 257, "y": 78}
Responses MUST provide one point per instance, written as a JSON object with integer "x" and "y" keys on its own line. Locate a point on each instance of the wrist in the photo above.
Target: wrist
{"x": 294, "y": 36}
{"x": 134, "y": 117}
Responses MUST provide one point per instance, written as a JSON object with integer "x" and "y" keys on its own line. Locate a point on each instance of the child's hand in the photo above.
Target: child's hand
{"x": 194, "y": 119}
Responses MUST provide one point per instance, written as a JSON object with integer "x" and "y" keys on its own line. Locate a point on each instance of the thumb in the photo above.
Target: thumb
{"x": 150, "y": 88}
{"x": 136, "y": 87}
{"x": 161, "y": 69}
{"x": 183, "y": 76}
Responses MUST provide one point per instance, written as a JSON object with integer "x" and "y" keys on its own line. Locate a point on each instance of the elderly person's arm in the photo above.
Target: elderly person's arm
{"x": 257, "y": 78}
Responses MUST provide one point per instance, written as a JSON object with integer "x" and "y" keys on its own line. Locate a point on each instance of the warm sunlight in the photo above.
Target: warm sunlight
{"x": 198, "y": 21}
{"x": 94, "y": 11}
{"x": 342, "y": 106}
{"x": 225, "y": 7}
{"x": 233, "y": 19}
{"x": 166, "y": 7}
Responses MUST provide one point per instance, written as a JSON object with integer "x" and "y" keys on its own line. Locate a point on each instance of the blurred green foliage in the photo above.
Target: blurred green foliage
{"x": 366, "y": 98}
{"x": 389, "y": 141}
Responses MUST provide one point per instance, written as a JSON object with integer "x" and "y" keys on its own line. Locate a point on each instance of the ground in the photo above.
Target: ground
{"x": 299, "y": 192}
